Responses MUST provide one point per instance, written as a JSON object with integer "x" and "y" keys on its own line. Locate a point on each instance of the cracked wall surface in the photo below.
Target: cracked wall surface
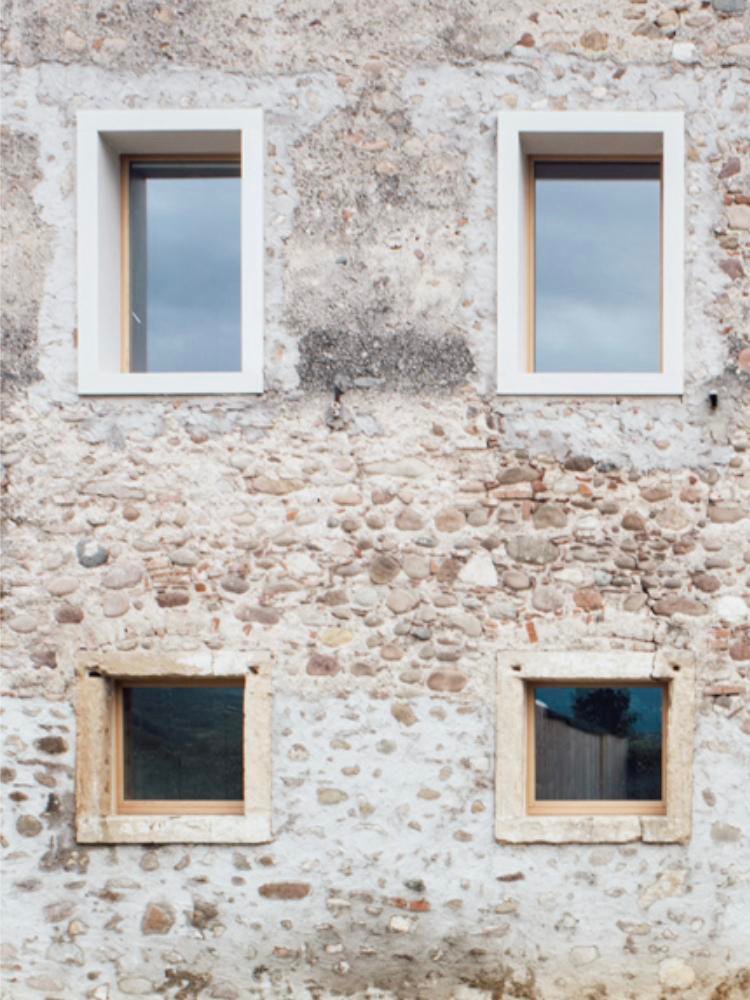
{"x": 384, "y": 553}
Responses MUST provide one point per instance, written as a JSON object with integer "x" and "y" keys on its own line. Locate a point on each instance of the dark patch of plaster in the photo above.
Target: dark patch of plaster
{"x": 406, "y": 360}
{"x": 186, "y": 985}
{"x": 501, "y": 983}
{"x": 27, "y": 251}
{"x": 734, "y": 986}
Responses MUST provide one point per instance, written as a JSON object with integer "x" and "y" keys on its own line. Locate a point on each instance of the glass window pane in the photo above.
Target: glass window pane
{"x": 597, "y": 267}
{"x": 183, "y": 742}
{"x": 185, "y": 267}
{"x": 598, "y": 743}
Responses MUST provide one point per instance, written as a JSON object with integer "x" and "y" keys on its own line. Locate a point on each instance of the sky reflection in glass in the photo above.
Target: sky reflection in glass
{"x": 185, "y": 267}
{"x": 597, "y": 269}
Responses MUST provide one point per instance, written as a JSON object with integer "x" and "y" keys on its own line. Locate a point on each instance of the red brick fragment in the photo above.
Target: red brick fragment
{"x": 719, "y": 690}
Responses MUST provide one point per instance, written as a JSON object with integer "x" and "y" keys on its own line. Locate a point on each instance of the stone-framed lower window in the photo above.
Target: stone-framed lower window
{"x": 594, "y": 747}
{"x": 173, "y": 750}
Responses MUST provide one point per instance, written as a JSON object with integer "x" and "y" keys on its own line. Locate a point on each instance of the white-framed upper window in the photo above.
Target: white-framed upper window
{"x": 170, "y": 251}
{"x": 590, "y": 253}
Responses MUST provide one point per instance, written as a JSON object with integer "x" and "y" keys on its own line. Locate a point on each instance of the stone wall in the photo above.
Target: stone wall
{"x": 383, "y": 556}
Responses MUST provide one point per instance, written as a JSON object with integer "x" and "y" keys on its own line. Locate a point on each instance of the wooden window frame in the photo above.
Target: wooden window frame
{"x": 165, "y": 807}
{"x": 579, "y": 136}
{"x": 591, "y": 807}
{"x": 126, "y": 159}
{"x": 516, "y": 819}
{"x": 530, "y": 269}
{"x": 103, "y": 139}
{"x": 102, "y": 814}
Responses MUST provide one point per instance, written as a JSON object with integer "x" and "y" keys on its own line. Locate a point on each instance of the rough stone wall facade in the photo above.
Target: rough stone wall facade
{"x": 386, "y": 555}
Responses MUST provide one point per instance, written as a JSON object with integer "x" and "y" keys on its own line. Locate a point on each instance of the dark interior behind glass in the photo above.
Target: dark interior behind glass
{"x": 183, "y": 742}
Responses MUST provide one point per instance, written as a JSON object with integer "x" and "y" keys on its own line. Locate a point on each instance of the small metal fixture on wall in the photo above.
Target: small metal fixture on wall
{"x": 337, "y": 416}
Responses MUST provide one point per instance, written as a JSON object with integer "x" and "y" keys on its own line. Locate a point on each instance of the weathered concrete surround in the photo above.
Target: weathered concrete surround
{"x": 385, "y": 558}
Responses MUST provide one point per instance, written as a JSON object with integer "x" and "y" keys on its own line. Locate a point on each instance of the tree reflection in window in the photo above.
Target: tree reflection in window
{"x": 598, "y": 743}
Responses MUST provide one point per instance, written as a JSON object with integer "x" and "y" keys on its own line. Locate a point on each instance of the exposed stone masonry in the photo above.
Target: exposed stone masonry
{"x": 384, "y": 571}
{"x": 383, "y": 553}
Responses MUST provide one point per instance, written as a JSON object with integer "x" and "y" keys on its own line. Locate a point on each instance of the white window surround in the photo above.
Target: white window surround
{"x": 97, "y": 821}
{"x": 586, "y": 133}
{"x": 513, "y": 825}
{"x": 103, "y": 136}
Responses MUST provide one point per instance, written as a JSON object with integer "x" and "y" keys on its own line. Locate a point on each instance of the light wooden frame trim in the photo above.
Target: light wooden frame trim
{"x": 99, "y": 816}
{"x": 168, "y": 807}
{"x": 103, "y": 137}
{"x": 125, "y": 264}
{"x": 530, "y": 271}
{"x": 516, "y": 671}
{"x": 126, "y": 159}
{"x": 580, "y": 135}
{"x": 592, "y": 807}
